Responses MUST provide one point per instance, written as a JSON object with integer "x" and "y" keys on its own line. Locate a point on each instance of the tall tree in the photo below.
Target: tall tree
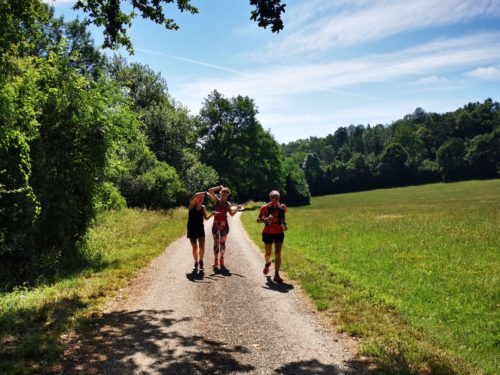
{"x": 483, "y": 155}
{"x": 340, "y": 138}
{"x": 356, "y": 136}
{"x": 296, "y": 189}
{"x": 393, "y": 166}
{"x": 233, "y": 142}
{"x": 450, "y": 157}
{"x": 314, "y": 173}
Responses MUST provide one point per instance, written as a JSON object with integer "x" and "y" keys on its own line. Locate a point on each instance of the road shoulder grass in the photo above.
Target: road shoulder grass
{"x": 33, "y": 322}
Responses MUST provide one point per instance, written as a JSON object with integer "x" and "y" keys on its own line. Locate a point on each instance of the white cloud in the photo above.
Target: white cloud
{"x": 333, "y": 24}
{"x": 487, "y": 73}
{"x": 197, "y": 62}
{"x": 430, "y": 80}
{"x": 276, "y": 84}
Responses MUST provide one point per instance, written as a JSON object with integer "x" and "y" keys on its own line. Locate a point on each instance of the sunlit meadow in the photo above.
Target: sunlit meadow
{"x": 414, "y": 271}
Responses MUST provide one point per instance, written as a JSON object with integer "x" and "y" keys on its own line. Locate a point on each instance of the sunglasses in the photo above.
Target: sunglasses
{"x": 275, "y": 197}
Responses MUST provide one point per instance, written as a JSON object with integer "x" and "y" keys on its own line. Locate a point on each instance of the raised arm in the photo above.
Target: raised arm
{"x": 193, "y": 198}
{"x": 211, "y": 192}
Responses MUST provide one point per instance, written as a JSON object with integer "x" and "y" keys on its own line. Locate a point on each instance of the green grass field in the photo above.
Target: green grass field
{"x": 414, "y": 271}
{"x": 33, "y": 322}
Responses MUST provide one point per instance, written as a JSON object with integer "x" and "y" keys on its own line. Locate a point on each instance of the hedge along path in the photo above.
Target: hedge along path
{"x": 167, "y": 321}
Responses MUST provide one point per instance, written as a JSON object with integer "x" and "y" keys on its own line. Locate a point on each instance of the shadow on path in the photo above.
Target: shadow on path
{"x": 131, "y": 342}
{"x": 282, "y": 288}
{"x": 315, "y": 367}
{"x": 311, "y": 367}
{"x": 198, "y": 277}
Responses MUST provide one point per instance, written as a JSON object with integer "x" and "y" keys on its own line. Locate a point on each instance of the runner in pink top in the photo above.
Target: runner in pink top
{"x": 220, "y": 228}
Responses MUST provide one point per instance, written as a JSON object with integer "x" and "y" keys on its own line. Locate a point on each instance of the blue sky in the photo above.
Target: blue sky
{"x": 336, "y": 63}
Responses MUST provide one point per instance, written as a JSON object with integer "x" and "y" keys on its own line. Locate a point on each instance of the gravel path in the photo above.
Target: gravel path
{"x": 169, "y": 321}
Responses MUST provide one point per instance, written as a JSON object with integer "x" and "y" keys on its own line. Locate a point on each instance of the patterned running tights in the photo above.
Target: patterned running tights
{"x": 220, "y": 229}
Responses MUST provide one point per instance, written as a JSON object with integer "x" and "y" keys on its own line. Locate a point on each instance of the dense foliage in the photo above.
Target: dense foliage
{"x": 81, "y": 133}
{"x": 420, "y": 148}
{"x": 247, "y": 158}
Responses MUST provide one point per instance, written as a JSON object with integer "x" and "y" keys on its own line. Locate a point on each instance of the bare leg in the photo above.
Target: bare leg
{"x": 277, "y": 256}
{"x": 194, "y": 245}
{"x": 201, "y": 242}
{"x": 269, "y": 248}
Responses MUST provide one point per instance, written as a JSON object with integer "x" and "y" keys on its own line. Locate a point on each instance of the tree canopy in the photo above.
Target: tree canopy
{"x": 111, "y": 16}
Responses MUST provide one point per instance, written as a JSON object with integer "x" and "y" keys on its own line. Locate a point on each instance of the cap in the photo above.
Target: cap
{"x": 273, "y": 193}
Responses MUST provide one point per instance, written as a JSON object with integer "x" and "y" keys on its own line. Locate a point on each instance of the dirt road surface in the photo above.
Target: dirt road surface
{"x": 170, "y": 321}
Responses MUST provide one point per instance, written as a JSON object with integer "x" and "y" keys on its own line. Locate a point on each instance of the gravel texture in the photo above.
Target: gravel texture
{"x": 171, "y": 321}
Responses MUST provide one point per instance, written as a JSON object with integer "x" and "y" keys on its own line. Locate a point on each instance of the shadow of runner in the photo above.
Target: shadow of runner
{"x": 197, "y": 277}
{"x": 131, "y": 342}
{"x": 282, "y": 288}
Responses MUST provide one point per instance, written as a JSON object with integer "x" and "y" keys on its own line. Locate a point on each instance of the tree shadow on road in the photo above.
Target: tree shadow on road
{"x": 315, "y": 367}
{"x": 282, "y": 288}
{"x": 131, "y": 342}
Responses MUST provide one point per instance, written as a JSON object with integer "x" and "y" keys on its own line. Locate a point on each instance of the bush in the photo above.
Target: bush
{"x": 108, "y": 197}
{"x": 159, "y": 187}
{"x": 54, "y": 165}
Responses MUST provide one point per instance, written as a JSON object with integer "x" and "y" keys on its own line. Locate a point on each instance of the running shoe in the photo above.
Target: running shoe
{"x": 195, "y": 267}
{"x": 277, "y": 279}
{"x": 265, "y": 271}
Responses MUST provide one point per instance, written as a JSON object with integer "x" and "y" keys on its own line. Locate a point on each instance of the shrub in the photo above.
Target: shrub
{"x": 159, "y": 187}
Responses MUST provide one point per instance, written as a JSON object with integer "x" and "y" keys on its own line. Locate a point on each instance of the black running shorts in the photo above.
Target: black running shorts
{"x": 269, "y": 238}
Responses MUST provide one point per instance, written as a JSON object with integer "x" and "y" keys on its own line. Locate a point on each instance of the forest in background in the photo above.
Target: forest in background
{"x": 420, "y": 148}
{"x": 82, "y": 132}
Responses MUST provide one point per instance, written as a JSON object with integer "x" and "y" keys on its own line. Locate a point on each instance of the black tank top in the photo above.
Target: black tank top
{"x": 195, "y": 219}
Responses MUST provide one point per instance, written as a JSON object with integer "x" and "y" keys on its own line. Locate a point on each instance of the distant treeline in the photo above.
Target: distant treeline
{"x": 81, "y": 133}
{"x": 420, "y": 148}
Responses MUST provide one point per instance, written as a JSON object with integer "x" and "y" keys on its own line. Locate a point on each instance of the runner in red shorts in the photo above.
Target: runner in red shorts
{"x": 272, "y": 214}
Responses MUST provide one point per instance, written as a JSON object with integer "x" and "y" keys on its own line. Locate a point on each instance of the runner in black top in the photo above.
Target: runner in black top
{"x": 195, "y": 229}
